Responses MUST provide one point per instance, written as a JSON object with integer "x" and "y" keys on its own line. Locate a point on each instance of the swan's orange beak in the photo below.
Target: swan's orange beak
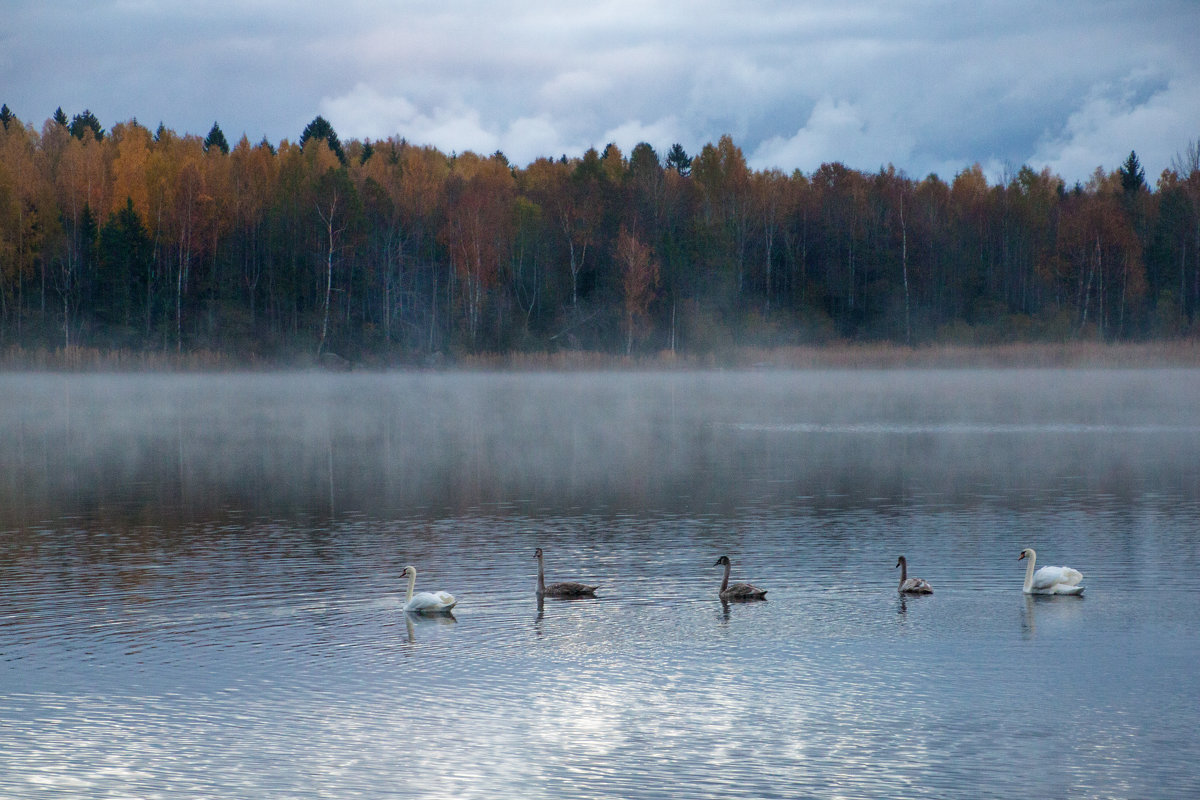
{"x": 1021, "y": 556}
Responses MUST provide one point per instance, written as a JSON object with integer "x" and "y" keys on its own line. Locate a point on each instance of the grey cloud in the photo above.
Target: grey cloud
{"x": 928, "y": 86}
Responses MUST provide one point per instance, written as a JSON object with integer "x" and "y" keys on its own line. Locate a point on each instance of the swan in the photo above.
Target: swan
{"x": 911, "y": 585}
{"x": 1050, "y": 580}
{"x": 426, "y": 602}
{"x": 737, "y": 591}
{"x": 564, "y": 589}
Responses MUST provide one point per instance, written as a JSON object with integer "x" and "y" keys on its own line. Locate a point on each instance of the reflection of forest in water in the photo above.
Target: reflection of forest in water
{"x": 194, "y": 447}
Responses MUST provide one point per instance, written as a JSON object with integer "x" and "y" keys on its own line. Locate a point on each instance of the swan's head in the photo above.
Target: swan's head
{"x": 409, "y": 571}
{"x": 899, "y": 561}
{"x": 537, "y": 553}
{"x": 723, "y": 560}
{"x": 1028, "y": 551}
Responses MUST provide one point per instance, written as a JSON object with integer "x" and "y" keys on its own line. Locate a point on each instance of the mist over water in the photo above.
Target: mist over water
{"x": 403, "y": 443}
{"x": 200, "y": 587}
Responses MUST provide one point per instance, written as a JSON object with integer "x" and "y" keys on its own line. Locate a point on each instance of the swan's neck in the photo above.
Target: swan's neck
{"x": 725, "y": 580}
{"x": 541, "y": 577}
{"x": 1029, "y": 572}
{"x": 903, "y": 571}
{"x": 412, "y": 582}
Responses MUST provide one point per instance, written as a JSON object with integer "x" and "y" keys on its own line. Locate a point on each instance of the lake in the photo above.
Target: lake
{"x": 201, "y": 594}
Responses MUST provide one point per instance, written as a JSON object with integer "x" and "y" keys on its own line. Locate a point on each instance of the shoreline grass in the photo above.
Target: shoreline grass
{"x": 1181, "y": 353}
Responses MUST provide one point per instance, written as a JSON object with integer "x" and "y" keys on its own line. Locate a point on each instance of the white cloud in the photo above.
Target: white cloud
{"x": 365, "y": 113}
{"x": 836, "y": 130}
{"x": 530, "y": 138}
{"x": 1115, "y": 119}
{"x": 660, "y": 135}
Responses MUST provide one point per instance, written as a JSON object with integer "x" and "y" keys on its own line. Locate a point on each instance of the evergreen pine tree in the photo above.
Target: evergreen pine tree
{"x": 6, "y": 116}
{"x": 320, "y": 128}
{"x": 1133, "y": 177}
{"x": 60, "y": 117}
{"x": 216, "y": 139}
{"x": 679, "y": 160}
{"x": 82, "y": 123}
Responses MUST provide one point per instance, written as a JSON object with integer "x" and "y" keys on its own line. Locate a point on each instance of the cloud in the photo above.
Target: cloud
{"x": 530, "y": 138}
{"x": 925, "y": 86}
{"x": 367, "y": 114}
{"x": 1114, "y": 119}
{"x": 835, "y": 131}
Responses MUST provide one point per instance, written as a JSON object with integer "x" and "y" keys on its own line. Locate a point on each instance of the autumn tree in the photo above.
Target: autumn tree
{"x": 82, "y": 194}
{"x": 478, "y": 229}
{"x": 1101, "y": 257}
{"x": 723, "y": 176}
{"x": 129, "y": 169}
{"x": 252, "y": 185}
{"x": 639, "y": 280}
{"x": 29, "y": 219}
{"x": 335, "y": 197}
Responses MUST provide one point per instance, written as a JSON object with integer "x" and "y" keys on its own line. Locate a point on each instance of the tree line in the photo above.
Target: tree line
{"x": 387, "y": 252}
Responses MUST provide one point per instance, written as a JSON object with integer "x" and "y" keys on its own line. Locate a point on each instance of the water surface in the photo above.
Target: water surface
{"x": 200, "y": 592}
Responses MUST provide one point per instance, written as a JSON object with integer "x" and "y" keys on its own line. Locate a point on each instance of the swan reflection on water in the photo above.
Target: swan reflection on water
{"x": 413, "y": 618}
{"x": 1054, "y": 608}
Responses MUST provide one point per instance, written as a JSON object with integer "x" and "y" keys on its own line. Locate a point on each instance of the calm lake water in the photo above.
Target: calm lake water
{"x": 200, "y": 589}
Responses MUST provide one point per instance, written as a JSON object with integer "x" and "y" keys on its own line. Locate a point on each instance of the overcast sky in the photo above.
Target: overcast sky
{"x": 926, "y": 85}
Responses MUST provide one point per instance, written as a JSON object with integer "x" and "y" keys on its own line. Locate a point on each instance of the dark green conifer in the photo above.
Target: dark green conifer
{"x": 320, "y": 128}
{"x": 679, "y": 160}
{"x": 1133, "y": 177}
{"x": 216, "y": 139}
{"x": 84, "y": 122}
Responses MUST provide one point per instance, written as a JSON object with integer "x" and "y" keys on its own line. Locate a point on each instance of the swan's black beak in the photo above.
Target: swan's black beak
{"x": 718, "y": 563}
{"x": 1021, "y": 556}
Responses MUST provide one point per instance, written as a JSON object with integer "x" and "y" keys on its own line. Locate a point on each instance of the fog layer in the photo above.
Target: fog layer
{"x": 422, "y": 443}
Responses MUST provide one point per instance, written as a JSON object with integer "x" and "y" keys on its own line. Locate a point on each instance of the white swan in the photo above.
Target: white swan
{"x": 1050, "y": 580}
{"x": 911, "y": 585}
{"x": 737, "y": 591}
{"x": 426, "y": 602}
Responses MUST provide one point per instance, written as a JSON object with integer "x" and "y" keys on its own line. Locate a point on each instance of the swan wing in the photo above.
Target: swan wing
{"x": 743, "y": 590}
{"x": 431, "y": 601}
{"x": 1054, "y": 577}
{"x": 569, "y": 589}
{"x": 917, "y": 586}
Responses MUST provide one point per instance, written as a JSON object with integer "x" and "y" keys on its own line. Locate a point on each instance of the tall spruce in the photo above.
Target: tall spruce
{"x": 1133, "y": 177}
{"x": 216, "y": 139}
{"x": 320, "y": 128}
{"x": 679, "y": 160}
{"x": 84, "y": 122}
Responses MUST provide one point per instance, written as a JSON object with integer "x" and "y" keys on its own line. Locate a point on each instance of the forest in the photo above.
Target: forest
{"x": 388, "y": 253}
